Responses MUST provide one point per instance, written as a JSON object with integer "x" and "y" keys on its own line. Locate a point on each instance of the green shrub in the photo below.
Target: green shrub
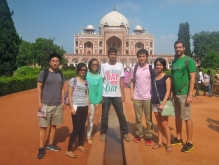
{"x": 26, "y": 70}
{"x": 68, "y": 74}
{"x": 14, "y": 84}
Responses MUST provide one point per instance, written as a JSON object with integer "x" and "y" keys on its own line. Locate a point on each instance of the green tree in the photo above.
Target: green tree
{"x": 9, "y": 40}
{"x": 211, "y": 60}
{"x": 184, "y": 35}
{"x": 25, "y": 55}
{"x": 205, "y": 42}
{"x": 42, "y": 48}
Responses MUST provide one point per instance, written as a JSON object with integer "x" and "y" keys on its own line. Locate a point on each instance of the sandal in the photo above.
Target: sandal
{"x": 157, "y": 145}
{"x": 82, "y": 149}
{"x": 70, "y": 154}
{"x": 89, "y": 140}
{"x": 168, "y": 148}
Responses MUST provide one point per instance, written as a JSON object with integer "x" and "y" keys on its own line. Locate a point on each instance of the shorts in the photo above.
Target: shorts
{"x": 54, "y": 116}
{"x": 181, "y": 109}
{"x": 154, "y": 108}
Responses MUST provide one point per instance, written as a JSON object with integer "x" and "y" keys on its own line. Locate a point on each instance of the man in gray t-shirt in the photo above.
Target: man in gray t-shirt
{"x": 50, "y": 94}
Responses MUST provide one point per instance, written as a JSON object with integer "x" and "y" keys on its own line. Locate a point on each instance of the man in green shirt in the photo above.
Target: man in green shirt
{"x": 183, "y": 79}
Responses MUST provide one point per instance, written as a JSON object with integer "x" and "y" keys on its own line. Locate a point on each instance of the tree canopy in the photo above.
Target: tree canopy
{"x": 25, "y": 55}
{"x": 9, "y": 40}
{"x": 211, "y": 60}
{"x": 204, "y": 43}
{"x": 38, "y": 52}
{"x": 184, "y": 35}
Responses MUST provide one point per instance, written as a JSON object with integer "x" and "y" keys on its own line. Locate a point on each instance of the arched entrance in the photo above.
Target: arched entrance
{"x": 114, "y": 42}
{"x": 138, "y": 46}
{"x": 74, "y": 62}
{"x": 132, "y": 63}
{"x": 85, "y": 61}
{"x": 124, "y": 63}
{"x": 88, "y": 48}
{"x": 103, "y": 61}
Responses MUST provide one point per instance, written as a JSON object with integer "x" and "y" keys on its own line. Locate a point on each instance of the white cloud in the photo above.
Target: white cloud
{"x": 127, "y": 5}
{"x": 164, "y": 44}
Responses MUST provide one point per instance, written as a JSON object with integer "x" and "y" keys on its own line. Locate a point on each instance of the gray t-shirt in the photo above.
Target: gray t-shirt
{"x": 52, "y": 90}
{"x": 79, "y": 92}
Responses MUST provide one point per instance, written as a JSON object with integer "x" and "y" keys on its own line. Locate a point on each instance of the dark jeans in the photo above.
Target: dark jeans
{"x": 78, "y": 121}
{"x": 117, "y": 104}
{"x": 197, "y": 87}
{"x": 208, "y": 89}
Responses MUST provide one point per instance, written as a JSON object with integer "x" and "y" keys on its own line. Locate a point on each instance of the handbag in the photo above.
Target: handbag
{"x": 168, "y": 109}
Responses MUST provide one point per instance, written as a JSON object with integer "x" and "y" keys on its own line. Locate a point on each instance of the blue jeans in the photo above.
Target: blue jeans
{"x": 117, "y": 104}
{"x": 208, "y": 88}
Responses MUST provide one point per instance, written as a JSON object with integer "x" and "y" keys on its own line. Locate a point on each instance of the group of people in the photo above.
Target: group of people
{"x": 150, "y": 89}
{"x": 210, "y": 82}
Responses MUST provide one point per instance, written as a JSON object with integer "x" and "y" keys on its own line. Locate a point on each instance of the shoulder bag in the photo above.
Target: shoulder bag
{"x": 168, "y": 107}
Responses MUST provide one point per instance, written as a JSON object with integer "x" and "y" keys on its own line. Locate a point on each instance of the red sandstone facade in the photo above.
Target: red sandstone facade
{"x": 113, "y": 32}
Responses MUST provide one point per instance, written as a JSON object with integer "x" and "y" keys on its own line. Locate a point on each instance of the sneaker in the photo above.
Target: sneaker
{"x": 103, "y": 137}
{"x": 137, "y": 139}
{"x": 53, "y": 147}
{"x": 176, "y": 141}
{"x": 187, "y": 147}
{"x": 126, "y": 137}
{"x": 41, "y": 153}
{"x": 148, "y": 142}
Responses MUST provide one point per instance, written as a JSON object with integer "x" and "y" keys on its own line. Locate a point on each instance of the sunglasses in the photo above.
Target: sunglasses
{"x": 85, "y": 70}
{"x": 94, "y": 65}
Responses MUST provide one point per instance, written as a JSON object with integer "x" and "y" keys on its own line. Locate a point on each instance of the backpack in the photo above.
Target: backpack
{"x": 135, "y": 70}
{"x": 66, "y": 100}
{"x": 46, "y": 73}
{"x": 197, "y": 76}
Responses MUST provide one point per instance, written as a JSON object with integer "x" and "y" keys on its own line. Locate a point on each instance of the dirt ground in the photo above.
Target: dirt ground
{"x": 19, "y": 134}
{"x": 205, "y": 115}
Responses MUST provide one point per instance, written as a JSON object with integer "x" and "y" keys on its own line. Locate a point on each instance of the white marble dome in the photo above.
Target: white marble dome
{"x": 114, "y": 18}
{"x": 138, "y": 27}
{"x": 90, "y": 27}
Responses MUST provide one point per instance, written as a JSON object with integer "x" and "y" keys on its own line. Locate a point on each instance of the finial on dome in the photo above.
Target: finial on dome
{"x": 114, "y": 7}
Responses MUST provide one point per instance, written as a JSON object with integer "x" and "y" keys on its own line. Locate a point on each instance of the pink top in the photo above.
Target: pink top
{"x": 142, "y": 89}
{"x": 127, "y": 76}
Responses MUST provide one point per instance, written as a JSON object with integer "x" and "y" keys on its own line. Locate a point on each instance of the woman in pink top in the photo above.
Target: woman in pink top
{"x": 126, "y": 78}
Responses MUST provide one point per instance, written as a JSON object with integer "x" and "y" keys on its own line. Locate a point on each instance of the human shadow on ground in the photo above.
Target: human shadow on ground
{"x": 213, "y": 124}
{"x": 61, "y": 134}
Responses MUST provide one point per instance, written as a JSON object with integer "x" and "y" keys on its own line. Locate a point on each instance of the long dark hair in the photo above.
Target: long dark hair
{"x": 79, "y": 66}
{"x": 90, "y": 64}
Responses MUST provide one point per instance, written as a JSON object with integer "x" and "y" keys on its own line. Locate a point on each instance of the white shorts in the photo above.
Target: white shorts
{"x": 154, "y": 108}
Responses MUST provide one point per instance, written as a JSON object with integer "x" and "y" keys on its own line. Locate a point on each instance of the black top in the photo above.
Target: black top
{"x": 161, "y": 89}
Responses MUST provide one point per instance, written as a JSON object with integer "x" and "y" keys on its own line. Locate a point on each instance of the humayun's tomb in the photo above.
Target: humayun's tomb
{"x": 113, "y": 32}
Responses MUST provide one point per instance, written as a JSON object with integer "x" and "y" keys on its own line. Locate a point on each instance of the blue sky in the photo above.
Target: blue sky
{"x": 61, "y": 18}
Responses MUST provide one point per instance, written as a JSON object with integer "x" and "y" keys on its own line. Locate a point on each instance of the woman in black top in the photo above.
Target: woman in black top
{"x": 163, "y": 84}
